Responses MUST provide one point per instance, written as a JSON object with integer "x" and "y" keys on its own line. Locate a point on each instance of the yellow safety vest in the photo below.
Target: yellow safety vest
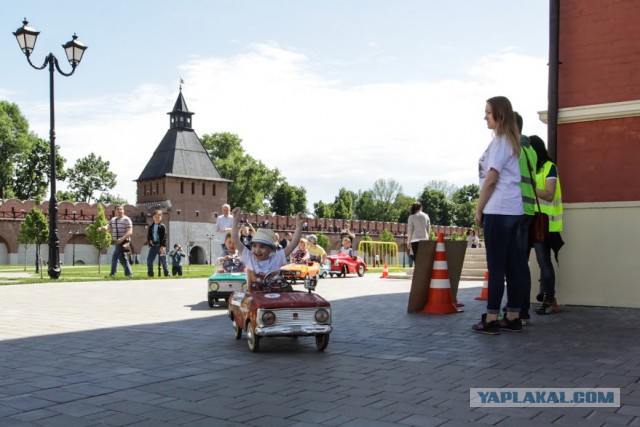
{"x": 554, "y": 208}
{"x": 526, "y": 180}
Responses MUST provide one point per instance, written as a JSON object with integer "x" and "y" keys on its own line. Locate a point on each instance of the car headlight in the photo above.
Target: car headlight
{"x": 214, "y": 286}
{"x": 245, "y": 286}
{"x": 268, "y": 318}
{"x": 336, "y": 263}
{"x": 322, "y": 316}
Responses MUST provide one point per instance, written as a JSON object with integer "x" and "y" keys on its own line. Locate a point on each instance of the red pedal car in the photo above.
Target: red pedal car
{"x": 278, "y": 311}
{"x": 343, "y": 264}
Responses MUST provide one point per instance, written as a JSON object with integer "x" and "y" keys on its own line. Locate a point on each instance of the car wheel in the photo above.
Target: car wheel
{"x": 322, "y": 341}
{"x": 237, "y": 330}
{"x": 361, "y": 270}
{"x": 331, "y": 274}
{"x": 323, "y": 275}
{"x": 210, "y": 302}
{"x": 344, "y": 271}
{"x": 252, "y": 339}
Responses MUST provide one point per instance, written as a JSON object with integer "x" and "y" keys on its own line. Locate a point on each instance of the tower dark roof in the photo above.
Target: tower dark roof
{"x": 181, "y": 153}
{"x": 180, "y": 105}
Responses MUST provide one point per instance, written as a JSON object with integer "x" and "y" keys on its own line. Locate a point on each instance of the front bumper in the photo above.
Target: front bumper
{"x": 293, "y": 330}
{"x": 219, "y": 294}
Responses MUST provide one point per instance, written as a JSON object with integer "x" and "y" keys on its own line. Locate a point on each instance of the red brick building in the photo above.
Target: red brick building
{"x": 598, "y": 151}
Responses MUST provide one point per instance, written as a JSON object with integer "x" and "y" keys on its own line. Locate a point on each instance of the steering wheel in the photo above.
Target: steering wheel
{"x": 275, "y": 282}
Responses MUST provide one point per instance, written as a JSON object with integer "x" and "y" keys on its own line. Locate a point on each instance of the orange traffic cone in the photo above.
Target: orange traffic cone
{"x": 484, "y": 294}
{"x": 439, "y": 298}
{"x": 385, "y": 272}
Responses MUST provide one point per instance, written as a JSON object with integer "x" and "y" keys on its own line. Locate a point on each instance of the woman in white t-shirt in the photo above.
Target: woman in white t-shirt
{"x": 499, "y": 211}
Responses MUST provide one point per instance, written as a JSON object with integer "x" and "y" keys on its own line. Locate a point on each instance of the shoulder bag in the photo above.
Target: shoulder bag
{"x": 539, "y": 227}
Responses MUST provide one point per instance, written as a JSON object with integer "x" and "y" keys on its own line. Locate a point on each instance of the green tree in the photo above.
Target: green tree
{"x": 98, "y": 238}
{"x": 65, "y": 196}
{"x": 402, "y": 205}
{"x": 466, "y": 193}
{"x": 344, "y": 204}
{"x": 464, "y": 213}
{"x": 253, "y": 182}
{"x": 465, "y": 200}
{"x": 33, "y": 169}
{"x": 24, "y": 239}
{"x": 34, "y": 229}
{"x": 387, "y": 236}
{"x": 14, "y": 140}
{"x": 365, "y": 246}
{"x": 366, "y": 209}
{"x": 323, "y": 241}
{"x": 289, "y": 200}
{"x": 384, "y": 193}
{"x": 437, "y": 206}
{"x": 222, "y": 145}
{"x": 88, "y": 175}
{"x": 322, "y": 210}
{"x": 446, "y": 187}
{"x": 110, "y": 199}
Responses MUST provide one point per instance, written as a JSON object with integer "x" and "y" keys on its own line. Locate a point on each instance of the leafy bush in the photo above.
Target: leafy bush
{"x": 323, "y": 241}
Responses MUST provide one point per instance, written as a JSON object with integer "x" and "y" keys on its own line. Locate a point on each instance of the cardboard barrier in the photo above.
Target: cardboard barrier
{"x": 423, "y": 266}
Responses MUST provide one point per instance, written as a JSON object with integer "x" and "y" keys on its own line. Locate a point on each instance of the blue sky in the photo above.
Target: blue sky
{"x": 334, "y": 93}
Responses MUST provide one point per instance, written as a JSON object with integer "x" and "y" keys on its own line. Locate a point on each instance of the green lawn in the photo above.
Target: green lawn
{"x": 13, "y": 274}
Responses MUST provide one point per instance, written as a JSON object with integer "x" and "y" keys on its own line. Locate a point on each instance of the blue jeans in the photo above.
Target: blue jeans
{"x": 118, "y": 255}
{"x": 504, "y": 259}
{"x": 547, "y": 274}
{"x": 523, "y": 250}
{"x": 154, "y": 251}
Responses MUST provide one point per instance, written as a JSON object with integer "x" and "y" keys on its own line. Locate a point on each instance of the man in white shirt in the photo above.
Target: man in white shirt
{"x": 223, "y": 224}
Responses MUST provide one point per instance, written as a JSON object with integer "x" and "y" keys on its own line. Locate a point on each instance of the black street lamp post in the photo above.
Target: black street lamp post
{"x": 73, "y": 245}
{"x": 74, "y": 49}
{"x": 210, "y": 237}
{"x": 404, "y": 247}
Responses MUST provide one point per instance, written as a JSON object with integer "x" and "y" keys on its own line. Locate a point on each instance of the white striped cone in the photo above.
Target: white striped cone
{"x": 439, "y": 298}
{"x": 484, "y": 293}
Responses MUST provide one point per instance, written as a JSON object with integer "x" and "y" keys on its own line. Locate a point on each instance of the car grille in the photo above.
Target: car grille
{"x": 295, "y": 317}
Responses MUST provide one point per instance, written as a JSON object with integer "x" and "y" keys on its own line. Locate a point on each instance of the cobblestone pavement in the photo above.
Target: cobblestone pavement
{"x": 152, "y": 353}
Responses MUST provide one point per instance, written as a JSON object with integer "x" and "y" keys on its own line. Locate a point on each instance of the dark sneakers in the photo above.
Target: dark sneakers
{"x": 490, "y": 328}
{"x": 514, "y": 325}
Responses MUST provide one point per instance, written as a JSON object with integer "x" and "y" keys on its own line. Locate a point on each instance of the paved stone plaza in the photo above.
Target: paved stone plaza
{"x": 152, "y": 353}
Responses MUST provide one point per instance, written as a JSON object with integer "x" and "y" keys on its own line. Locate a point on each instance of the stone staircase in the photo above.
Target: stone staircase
{"x": 475, "y": 264}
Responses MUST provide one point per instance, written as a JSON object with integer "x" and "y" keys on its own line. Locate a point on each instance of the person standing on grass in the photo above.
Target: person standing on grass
{"x": 157, "y": 240}
{"x": 121, "y": 230}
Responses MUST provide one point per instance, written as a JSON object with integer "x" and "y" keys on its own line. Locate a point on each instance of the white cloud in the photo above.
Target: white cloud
{"x": 321, "y": 133}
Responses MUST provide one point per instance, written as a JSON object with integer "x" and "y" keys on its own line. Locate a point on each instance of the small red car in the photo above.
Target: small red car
{"x": 343, "y": 264}
{"x": 278, "y": 310}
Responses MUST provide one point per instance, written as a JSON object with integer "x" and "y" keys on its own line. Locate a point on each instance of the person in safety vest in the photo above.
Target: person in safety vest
{"x": 550, "y": 197}
{"x": 527, "y": 161}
